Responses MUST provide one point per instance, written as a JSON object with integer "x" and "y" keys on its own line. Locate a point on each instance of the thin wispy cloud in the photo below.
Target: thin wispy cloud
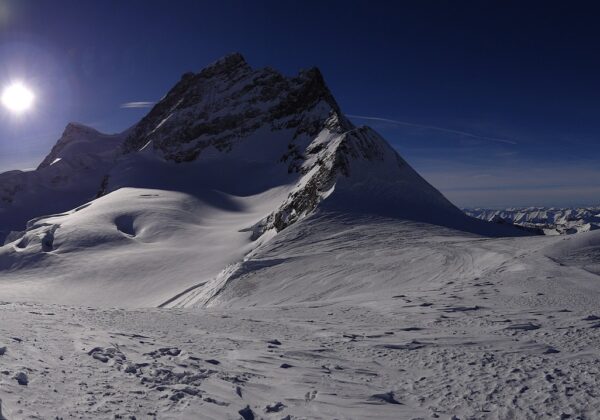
{"x": 434, "y": 128}
{"x": 140, "y": 104}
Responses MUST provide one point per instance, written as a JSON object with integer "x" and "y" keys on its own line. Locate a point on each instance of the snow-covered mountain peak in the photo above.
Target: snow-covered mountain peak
{"x": 294, "y": 130}
{"x": 226, "y": 65}
{"x": 74, "y": 128}
{"x": 70, "y": 175}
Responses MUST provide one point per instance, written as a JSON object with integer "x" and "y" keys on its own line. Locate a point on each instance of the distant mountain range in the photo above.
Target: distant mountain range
{"x": 551, "y": 220}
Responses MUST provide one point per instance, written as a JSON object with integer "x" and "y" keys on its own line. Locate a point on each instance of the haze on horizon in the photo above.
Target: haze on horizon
{"x": 495, "y": 105}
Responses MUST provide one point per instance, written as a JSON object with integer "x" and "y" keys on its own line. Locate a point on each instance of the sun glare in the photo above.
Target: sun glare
{"x": 17, "y": 97}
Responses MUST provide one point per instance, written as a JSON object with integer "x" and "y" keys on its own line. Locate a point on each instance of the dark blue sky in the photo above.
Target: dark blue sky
{"x": 521, "y": 82}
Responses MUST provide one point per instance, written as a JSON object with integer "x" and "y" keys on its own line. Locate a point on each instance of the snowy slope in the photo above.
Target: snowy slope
{"x": 341, "y": 258}
{"x": 134, "y": 247}
{"x": 581, "y": 251}
{"x": 345, "y": 318}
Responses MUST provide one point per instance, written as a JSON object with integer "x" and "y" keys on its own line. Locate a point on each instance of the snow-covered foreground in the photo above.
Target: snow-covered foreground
{"x": 335, "y": 317}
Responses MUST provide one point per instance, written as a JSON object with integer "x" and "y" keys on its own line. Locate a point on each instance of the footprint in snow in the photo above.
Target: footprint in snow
{"x": 413, "y": 345}
{"x": 310, "y": 396}
{"x": 107, "y": 354}
{"x": 387, "y": 397}
{"x": 21, "y": 378}
{"x": 528, "y": 326}
{"x": 461, "y": 308}
{"x": 246, "y": 413}
{"x": 165, "y": 351}
{"x": 275, "y": 408}
{"x": 216, "y": 402}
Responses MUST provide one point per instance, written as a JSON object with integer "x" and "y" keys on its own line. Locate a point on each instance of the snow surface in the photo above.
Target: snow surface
{"x": 350, "y": 319}
{"x": 171, "y": 239}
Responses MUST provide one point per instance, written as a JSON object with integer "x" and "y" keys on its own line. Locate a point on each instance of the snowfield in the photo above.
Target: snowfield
{"x": 86, "y": 256}
{"x": 246, "y": 252}
{"x": 353, "y": 318}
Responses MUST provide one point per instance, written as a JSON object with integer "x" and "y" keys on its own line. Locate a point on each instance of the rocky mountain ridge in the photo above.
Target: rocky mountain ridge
{"x": 228, "y": 101}
{"x": 553, "y": 221}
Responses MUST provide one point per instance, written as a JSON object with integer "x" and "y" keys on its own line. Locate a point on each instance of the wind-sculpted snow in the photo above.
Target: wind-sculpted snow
{"x": 133, "y": 247}
{"x": 340, "y": 257}
{"x": 346, "y": 318}
{"x": 552, "y": 221}
{"x": 581, "y": 251}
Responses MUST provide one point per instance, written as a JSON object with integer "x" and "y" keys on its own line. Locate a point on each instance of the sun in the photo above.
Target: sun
{"x": 17, "y": 97}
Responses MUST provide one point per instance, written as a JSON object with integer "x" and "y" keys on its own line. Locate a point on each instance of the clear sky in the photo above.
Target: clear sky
{"x": 495, "y": 103}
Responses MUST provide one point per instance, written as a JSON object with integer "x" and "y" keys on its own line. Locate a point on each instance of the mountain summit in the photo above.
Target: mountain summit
{"x": 228, "y": 159}
{"x": 228, "y": 101}
{"x": 293, "y": 129}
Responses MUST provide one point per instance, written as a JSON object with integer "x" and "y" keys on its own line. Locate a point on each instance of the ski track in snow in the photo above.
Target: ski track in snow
{"x": 473, "y": 328}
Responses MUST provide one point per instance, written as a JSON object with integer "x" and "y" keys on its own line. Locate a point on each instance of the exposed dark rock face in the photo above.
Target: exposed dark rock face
{"x": 329, "y": 161}
{"x": 228, "y": 101}
{"x": 8, "y": 189}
